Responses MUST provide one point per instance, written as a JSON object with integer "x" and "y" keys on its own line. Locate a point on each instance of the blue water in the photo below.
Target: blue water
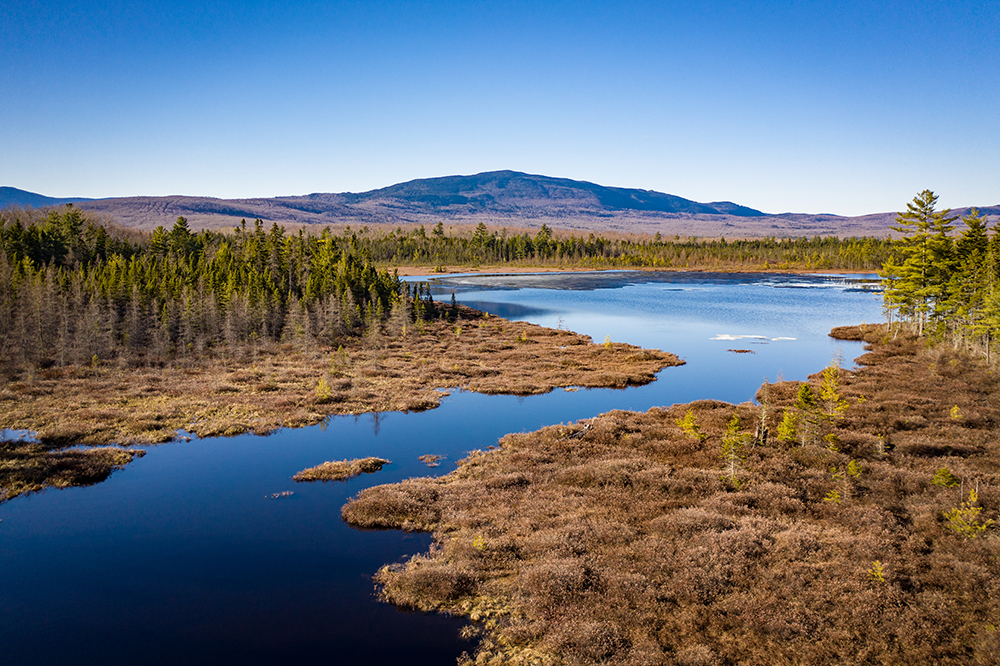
{"x": 788, "y": 316}
{"x": 184, "y": 557}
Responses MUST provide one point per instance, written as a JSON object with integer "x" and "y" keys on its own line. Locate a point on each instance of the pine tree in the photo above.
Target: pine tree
{"x": 787, "y": 427}
{"x": 969, "y": 287}
{"x": 734, "y": 451}
{"x": 917, "y": 287}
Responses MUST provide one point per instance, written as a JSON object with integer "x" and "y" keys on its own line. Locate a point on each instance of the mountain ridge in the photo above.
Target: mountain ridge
{"x": 496, "y": 198}
{"x": 12, "y": 196}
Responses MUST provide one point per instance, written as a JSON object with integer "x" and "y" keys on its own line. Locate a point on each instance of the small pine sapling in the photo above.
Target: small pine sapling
{"x": 944, "y": 477}
{"x": 854, "y": 469}
{"x": 323, "y": 391}
{"x": 787, "y": 427}
{"x": 832, "y": 403}
{"x": 805, "y": 400}
{"x": 734, "y": 451}
{"x": 805, "y": 404}
{"x": 832, "y": 442}
{"x": 690, "y": 426}
{"x": 965, "y": 520}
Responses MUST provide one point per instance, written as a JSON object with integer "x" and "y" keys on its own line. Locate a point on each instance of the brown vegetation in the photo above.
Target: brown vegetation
{"x": 291, "y": 386}
{"x": 341, "y": 470}
{"x": 431, "y": 459}
{"x": 27, "y": 467}
{"x": 625, "y": 540}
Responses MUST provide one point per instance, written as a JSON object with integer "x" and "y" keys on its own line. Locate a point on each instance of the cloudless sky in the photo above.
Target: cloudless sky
{"x": 846, "y": 107}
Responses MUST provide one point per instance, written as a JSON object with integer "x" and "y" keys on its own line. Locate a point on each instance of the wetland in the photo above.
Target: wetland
{"x": 198, "y": 553}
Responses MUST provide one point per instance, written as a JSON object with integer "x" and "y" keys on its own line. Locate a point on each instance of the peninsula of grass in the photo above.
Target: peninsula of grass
{"x": 284, "y": 385}
{"x": 849, "y": 522}
{"x": 27, "y": 467}
{"x": 341, "y": 470}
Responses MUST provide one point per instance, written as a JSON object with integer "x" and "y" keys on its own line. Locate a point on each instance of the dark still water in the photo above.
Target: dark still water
{"x": 183, "y": 557}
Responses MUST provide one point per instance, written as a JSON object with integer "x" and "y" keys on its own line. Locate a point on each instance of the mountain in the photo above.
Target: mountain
{"x": 497, "y": 198}
{"x": 497, "y": 191}
{"x": 11, "y": 196}
{"x": 496, "y": 194}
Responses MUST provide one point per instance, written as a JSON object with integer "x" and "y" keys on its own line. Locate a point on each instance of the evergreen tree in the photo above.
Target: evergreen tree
{"x": 970, "y": 283}
{"x": 917, "y": 287}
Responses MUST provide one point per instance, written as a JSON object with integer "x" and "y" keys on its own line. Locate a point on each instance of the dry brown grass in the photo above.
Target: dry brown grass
{"x": 431, "y": 459}
{"x": 284, "y": 386}
{"x": 616, "y": 541}
{"x": 27, "y": 467}
{"x": 341, "y": 470}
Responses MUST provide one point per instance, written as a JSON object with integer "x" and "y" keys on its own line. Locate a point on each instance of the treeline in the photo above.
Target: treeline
{"x": 72, "y": 290}
{"x": 418, "y": 247}
{"x": 943, "y": 285}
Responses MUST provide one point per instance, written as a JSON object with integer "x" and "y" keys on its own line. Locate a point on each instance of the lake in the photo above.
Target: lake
{"x": 185, "y": 556}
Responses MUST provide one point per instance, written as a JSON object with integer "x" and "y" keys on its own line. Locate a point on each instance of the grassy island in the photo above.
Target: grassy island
{"x": 341, "y": 470}
{"x": 848, "y": 519}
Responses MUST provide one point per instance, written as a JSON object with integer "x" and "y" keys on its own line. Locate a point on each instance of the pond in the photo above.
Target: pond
{"x": 186, "y": 556}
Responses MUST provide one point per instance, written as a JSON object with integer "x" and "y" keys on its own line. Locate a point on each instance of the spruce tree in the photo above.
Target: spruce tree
{"x": 917, "y": 287}
{"x": 969, "y": 286}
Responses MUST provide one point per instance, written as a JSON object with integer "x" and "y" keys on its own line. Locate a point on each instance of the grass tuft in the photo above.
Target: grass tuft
{"x": 341, "y": 470}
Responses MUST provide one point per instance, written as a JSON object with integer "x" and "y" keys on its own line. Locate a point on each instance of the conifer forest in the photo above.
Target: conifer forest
{"x": 74, "y": 289}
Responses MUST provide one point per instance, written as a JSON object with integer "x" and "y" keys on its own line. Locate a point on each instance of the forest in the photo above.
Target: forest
{"x": 547, "y": 248}
{"x": 943, "y": 285}
{"x": 74, "y": 289}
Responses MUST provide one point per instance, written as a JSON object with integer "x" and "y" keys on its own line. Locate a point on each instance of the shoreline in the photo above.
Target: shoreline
{"x": 285, "y": 386}
{"x": 430, "y": 272}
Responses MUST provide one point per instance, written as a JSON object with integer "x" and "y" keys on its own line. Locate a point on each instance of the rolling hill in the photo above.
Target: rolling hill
{"x": 497, "y": 198}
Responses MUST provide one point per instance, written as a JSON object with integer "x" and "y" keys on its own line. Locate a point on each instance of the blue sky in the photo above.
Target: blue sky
{"x": 847, "y": 107}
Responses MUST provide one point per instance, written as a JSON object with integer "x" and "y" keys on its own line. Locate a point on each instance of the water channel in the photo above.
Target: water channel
{"x": 185, "y": 556}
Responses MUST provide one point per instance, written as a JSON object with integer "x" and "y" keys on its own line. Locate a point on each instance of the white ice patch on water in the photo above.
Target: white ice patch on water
{"x": 773, "y": 339}
{"x": 727, "y": 336}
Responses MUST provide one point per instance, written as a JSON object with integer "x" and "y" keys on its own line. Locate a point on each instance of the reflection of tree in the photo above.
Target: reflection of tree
{"x": 377, "y": 421}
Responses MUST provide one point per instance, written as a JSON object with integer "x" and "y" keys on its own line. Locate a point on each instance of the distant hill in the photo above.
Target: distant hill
{"x": 11, "y": 196}
{"x": 497, "y": 191}
{"x": 498, "y": 198}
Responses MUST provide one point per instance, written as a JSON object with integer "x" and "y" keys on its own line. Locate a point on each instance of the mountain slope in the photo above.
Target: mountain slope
{"x": 11, "y": 196}
{"x": 501, "y": 190}
{"x": 498, "y": 198}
